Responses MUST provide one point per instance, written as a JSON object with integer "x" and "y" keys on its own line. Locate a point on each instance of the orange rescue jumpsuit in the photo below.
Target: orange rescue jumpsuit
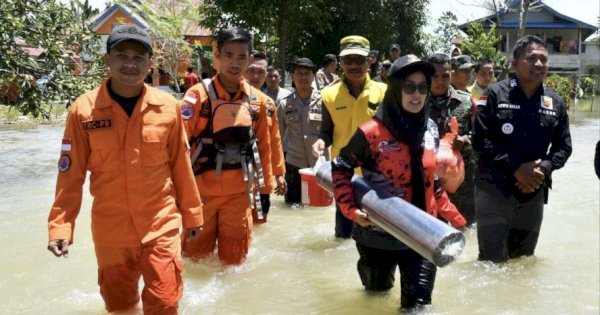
{"x": 143, "y": 188}
{"x": 227, "y": 213}
{"x": 277, "y": 158}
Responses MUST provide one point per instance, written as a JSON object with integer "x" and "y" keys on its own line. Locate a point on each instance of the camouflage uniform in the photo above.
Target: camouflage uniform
{"x": 441, "y": 109}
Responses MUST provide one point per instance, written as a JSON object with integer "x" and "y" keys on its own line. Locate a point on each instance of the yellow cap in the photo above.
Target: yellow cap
{"x": 354, "y": 45}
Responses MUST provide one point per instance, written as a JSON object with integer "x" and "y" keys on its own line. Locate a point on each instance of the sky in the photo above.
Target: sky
{"x": 584, "y": 10}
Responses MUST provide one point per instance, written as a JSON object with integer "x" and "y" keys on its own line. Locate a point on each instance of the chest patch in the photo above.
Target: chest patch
{"x": 96, "y": 124}
{"x": 507, "y": 128}
{"x": 547, "y": 103}
{"x": 388, "y": 146}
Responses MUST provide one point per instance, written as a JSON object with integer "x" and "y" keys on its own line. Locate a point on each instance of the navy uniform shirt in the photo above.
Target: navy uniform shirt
{"x": 512, "y": 129}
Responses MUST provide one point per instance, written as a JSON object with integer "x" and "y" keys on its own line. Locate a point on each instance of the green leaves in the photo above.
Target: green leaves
{"x": 169, "y": 21}
{"x": 563, "y": 86}
{"x": 312, "y": 28}
{"x": 480, "y": 43}
{"x": 43, "y": 39}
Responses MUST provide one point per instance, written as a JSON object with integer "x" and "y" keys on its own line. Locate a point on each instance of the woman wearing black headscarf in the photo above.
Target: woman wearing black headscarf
{"x": 396, "y": 150}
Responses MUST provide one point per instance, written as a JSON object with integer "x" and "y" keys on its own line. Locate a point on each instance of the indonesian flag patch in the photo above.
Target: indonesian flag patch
{"x": 66, "y": 144}
{"x": 482, "y": 100}
{"x": 191, "y": 98}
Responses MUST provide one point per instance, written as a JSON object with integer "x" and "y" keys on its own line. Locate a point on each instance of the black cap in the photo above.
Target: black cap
{"x": 409, "y": 63}
{"x": 129, "y": 32}
{"x": 304, "y": 62}
{"x": 394, "y": 46}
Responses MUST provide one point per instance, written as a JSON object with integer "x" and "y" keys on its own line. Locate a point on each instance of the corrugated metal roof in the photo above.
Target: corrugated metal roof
{"x": 567, "y": 23}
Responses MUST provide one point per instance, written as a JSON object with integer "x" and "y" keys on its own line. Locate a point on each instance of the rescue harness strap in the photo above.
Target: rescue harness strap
{"x": 251, "y": 175}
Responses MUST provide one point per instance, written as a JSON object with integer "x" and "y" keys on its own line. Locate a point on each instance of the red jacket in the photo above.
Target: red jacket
{"x": 374, "y": 148}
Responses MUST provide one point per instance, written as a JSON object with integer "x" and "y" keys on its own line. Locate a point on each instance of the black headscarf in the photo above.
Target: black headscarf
{"x": 407, "y": 127}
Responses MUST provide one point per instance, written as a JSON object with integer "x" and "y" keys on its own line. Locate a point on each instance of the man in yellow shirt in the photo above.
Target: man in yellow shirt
{"x": 348, "y": 103}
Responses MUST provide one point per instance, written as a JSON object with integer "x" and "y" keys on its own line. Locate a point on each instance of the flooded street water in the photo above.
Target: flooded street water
{"x": 295, "y": 266}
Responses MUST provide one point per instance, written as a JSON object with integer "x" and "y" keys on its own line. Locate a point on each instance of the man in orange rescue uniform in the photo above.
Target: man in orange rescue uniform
{"x": 131, "y": 138}
{"x": 225, "y": 119}
{"x": 256, "y": 74}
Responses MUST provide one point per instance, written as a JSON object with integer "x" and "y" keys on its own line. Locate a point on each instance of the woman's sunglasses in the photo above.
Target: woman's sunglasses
{"x": 410, "y": 88}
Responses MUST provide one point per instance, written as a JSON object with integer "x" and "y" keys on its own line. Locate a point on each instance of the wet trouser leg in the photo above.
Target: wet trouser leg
{"x": 376, "y": 268}
{"x": 158, "y": 262}
{"x": 464, "y": 197}
{"x": 525, "y": 230}
{"x": 234, "y": 228}
{"x": 343, "y": 226}
{"x": 294, "y": 184}
{"x": 227, "y": 224}
{"x": 417, "y": 278}
{"x": 506, "y": 228}
{"x": 206, "y": 242}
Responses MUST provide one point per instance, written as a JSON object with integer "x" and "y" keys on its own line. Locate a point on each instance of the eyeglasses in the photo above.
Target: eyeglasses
{"x": 410, "y": 88}
{"x": 357, "y": 60}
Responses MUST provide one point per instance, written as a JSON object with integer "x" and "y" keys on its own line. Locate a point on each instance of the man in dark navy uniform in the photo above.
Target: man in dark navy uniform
{"x": 521, "y": 135}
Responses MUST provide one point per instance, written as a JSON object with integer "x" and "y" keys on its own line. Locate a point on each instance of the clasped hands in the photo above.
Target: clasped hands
{"x": 530, "y": 176}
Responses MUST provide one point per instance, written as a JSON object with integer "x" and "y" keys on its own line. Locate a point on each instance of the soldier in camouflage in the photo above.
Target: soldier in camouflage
{"x": 462, "y": 71}
{"x": 446, "y": 102}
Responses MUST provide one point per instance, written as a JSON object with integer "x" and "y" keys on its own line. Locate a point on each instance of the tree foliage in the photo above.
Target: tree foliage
{"x": 588, "y": 84}
{"x": 446, "y": 30}
{"x": 563, "y": 86}
{"x": 312, "y": 28}
{"x": 169, "y": 20}
{"x": 60, "y": 32}
{"x": 480, "y": 43}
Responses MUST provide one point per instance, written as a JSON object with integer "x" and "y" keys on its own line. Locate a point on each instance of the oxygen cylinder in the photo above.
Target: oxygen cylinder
{"x": 433, "y": 239}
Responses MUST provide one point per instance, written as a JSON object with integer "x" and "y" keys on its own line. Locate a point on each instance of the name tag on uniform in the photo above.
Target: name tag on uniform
{"x": 314, "y": 116}
{"x": 96, "y": 124}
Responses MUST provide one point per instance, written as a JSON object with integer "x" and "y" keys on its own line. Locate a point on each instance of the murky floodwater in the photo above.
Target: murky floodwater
{"x": 295, "y": 265}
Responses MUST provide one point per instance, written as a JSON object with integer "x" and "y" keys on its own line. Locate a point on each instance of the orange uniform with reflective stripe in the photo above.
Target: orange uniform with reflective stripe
{"x": 228, "y": 219}
{"x": 141, "y": 178}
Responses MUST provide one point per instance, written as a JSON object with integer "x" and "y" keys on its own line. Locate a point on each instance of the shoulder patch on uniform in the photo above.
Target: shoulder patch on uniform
{"x": 66, "y": 144}
{"x": 482, "y": 101}
{"x": 187, "y": 111}
{"x": 513, "y": 83}
{"x": 191, "y": 98}
{"x": 96, "y": 124}
{"x": 64, "y": 163}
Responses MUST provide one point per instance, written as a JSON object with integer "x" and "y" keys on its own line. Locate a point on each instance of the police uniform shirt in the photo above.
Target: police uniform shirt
{"x": 512, "y": 129}
{"x": 278, "y": 95}
{"x": 300, "y": 127}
